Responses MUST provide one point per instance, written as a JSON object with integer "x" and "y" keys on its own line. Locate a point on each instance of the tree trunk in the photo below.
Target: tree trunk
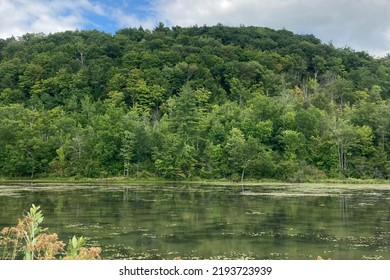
{"x": 242, "y": 174}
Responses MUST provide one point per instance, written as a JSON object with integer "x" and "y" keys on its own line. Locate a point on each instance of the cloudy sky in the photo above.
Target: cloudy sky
{"x": 359, "y": 24}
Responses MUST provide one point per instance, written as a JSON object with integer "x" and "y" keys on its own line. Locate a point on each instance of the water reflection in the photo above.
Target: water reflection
{"x": 169, "y": 221}
{"x": 344, "y": 208}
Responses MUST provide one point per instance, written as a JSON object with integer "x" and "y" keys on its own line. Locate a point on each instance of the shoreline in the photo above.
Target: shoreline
{"x": 197, "y": 181}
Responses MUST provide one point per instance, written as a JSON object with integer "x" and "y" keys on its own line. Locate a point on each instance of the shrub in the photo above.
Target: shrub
{"x": 32, "y": 242}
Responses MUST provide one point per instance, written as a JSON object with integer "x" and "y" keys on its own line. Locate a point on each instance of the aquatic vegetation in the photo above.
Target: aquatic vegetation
{"x": 190, "y": 222}
{"x": 28, "y": 240}
{"x": 372, "y": 257}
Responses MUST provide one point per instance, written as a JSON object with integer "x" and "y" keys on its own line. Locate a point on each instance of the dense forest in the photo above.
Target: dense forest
{"x": 204, "y": 102}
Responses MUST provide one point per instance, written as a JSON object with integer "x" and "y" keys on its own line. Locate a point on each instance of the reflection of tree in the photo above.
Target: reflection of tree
{"x": 206, "y": 221}
{"x": 276, "y": 222}
{"x": 344, "y": 208}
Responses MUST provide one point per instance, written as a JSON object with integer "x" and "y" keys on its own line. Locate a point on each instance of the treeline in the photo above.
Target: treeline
{"x": 200, "y": 102}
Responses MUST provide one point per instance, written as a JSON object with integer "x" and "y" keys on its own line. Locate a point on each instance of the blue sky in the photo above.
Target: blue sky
{"x": 359, "y": 24}
{"x": 119, "y": 14}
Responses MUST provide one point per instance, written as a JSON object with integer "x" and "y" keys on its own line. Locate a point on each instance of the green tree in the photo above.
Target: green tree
{"x": 293, "y": 143}
{"x": 241, "y": 152}
{"x": 176, "y": 158}
{"x": 127, "y": 151}
{"x": 345, "y": 138}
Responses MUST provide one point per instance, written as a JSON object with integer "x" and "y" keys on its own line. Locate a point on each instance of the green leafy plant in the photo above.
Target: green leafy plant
{"x": 28, "y": 240}
{"x": 77, "y": 251}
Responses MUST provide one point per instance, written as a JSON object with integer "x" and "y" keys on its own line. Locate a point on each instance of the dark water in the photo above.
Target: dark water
{"x": 219, "y": 222}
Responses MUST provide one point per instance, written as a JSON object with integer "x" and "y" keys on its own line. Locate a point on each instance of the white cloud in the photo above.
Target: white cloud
{"x": 18, "y": 17}
{"x": 123, "y": 20}
{"x": 360, "y": 24}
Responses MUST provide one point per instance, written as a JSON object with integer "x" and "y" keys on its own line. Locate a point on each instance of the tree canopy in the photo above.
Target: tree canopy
{"x": 199, "y": 102}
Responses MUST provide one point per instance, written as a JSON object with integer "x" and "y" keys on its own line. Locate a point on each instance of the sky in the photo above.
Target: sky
{"x": 362, "y": 25}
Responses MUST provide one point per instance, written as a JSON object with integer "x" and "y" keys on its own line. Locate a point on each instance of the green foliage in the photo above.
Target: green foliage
{"x": 33, "y": 219}
{"x": 210, "y": 102}
{"x": 30, "y": 241}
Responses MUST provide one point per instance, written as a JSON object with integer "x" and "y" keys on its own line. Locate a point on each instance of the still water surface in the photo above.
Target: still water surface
{"x": 171, "y": 221}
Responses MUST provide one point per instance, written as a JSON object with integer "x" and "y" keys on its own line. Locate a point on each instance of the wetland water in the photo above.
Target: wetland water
{"x": 168, "y": 221}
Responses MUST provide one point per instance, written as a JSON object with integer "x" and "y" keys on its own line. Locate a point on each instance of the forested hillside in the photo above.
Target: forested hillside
{"x": 199, "y": 102}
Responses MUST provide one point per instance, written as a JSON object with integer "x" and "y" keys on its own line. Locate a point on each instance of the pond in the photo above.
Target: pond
{"x": 179, "y": 221}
